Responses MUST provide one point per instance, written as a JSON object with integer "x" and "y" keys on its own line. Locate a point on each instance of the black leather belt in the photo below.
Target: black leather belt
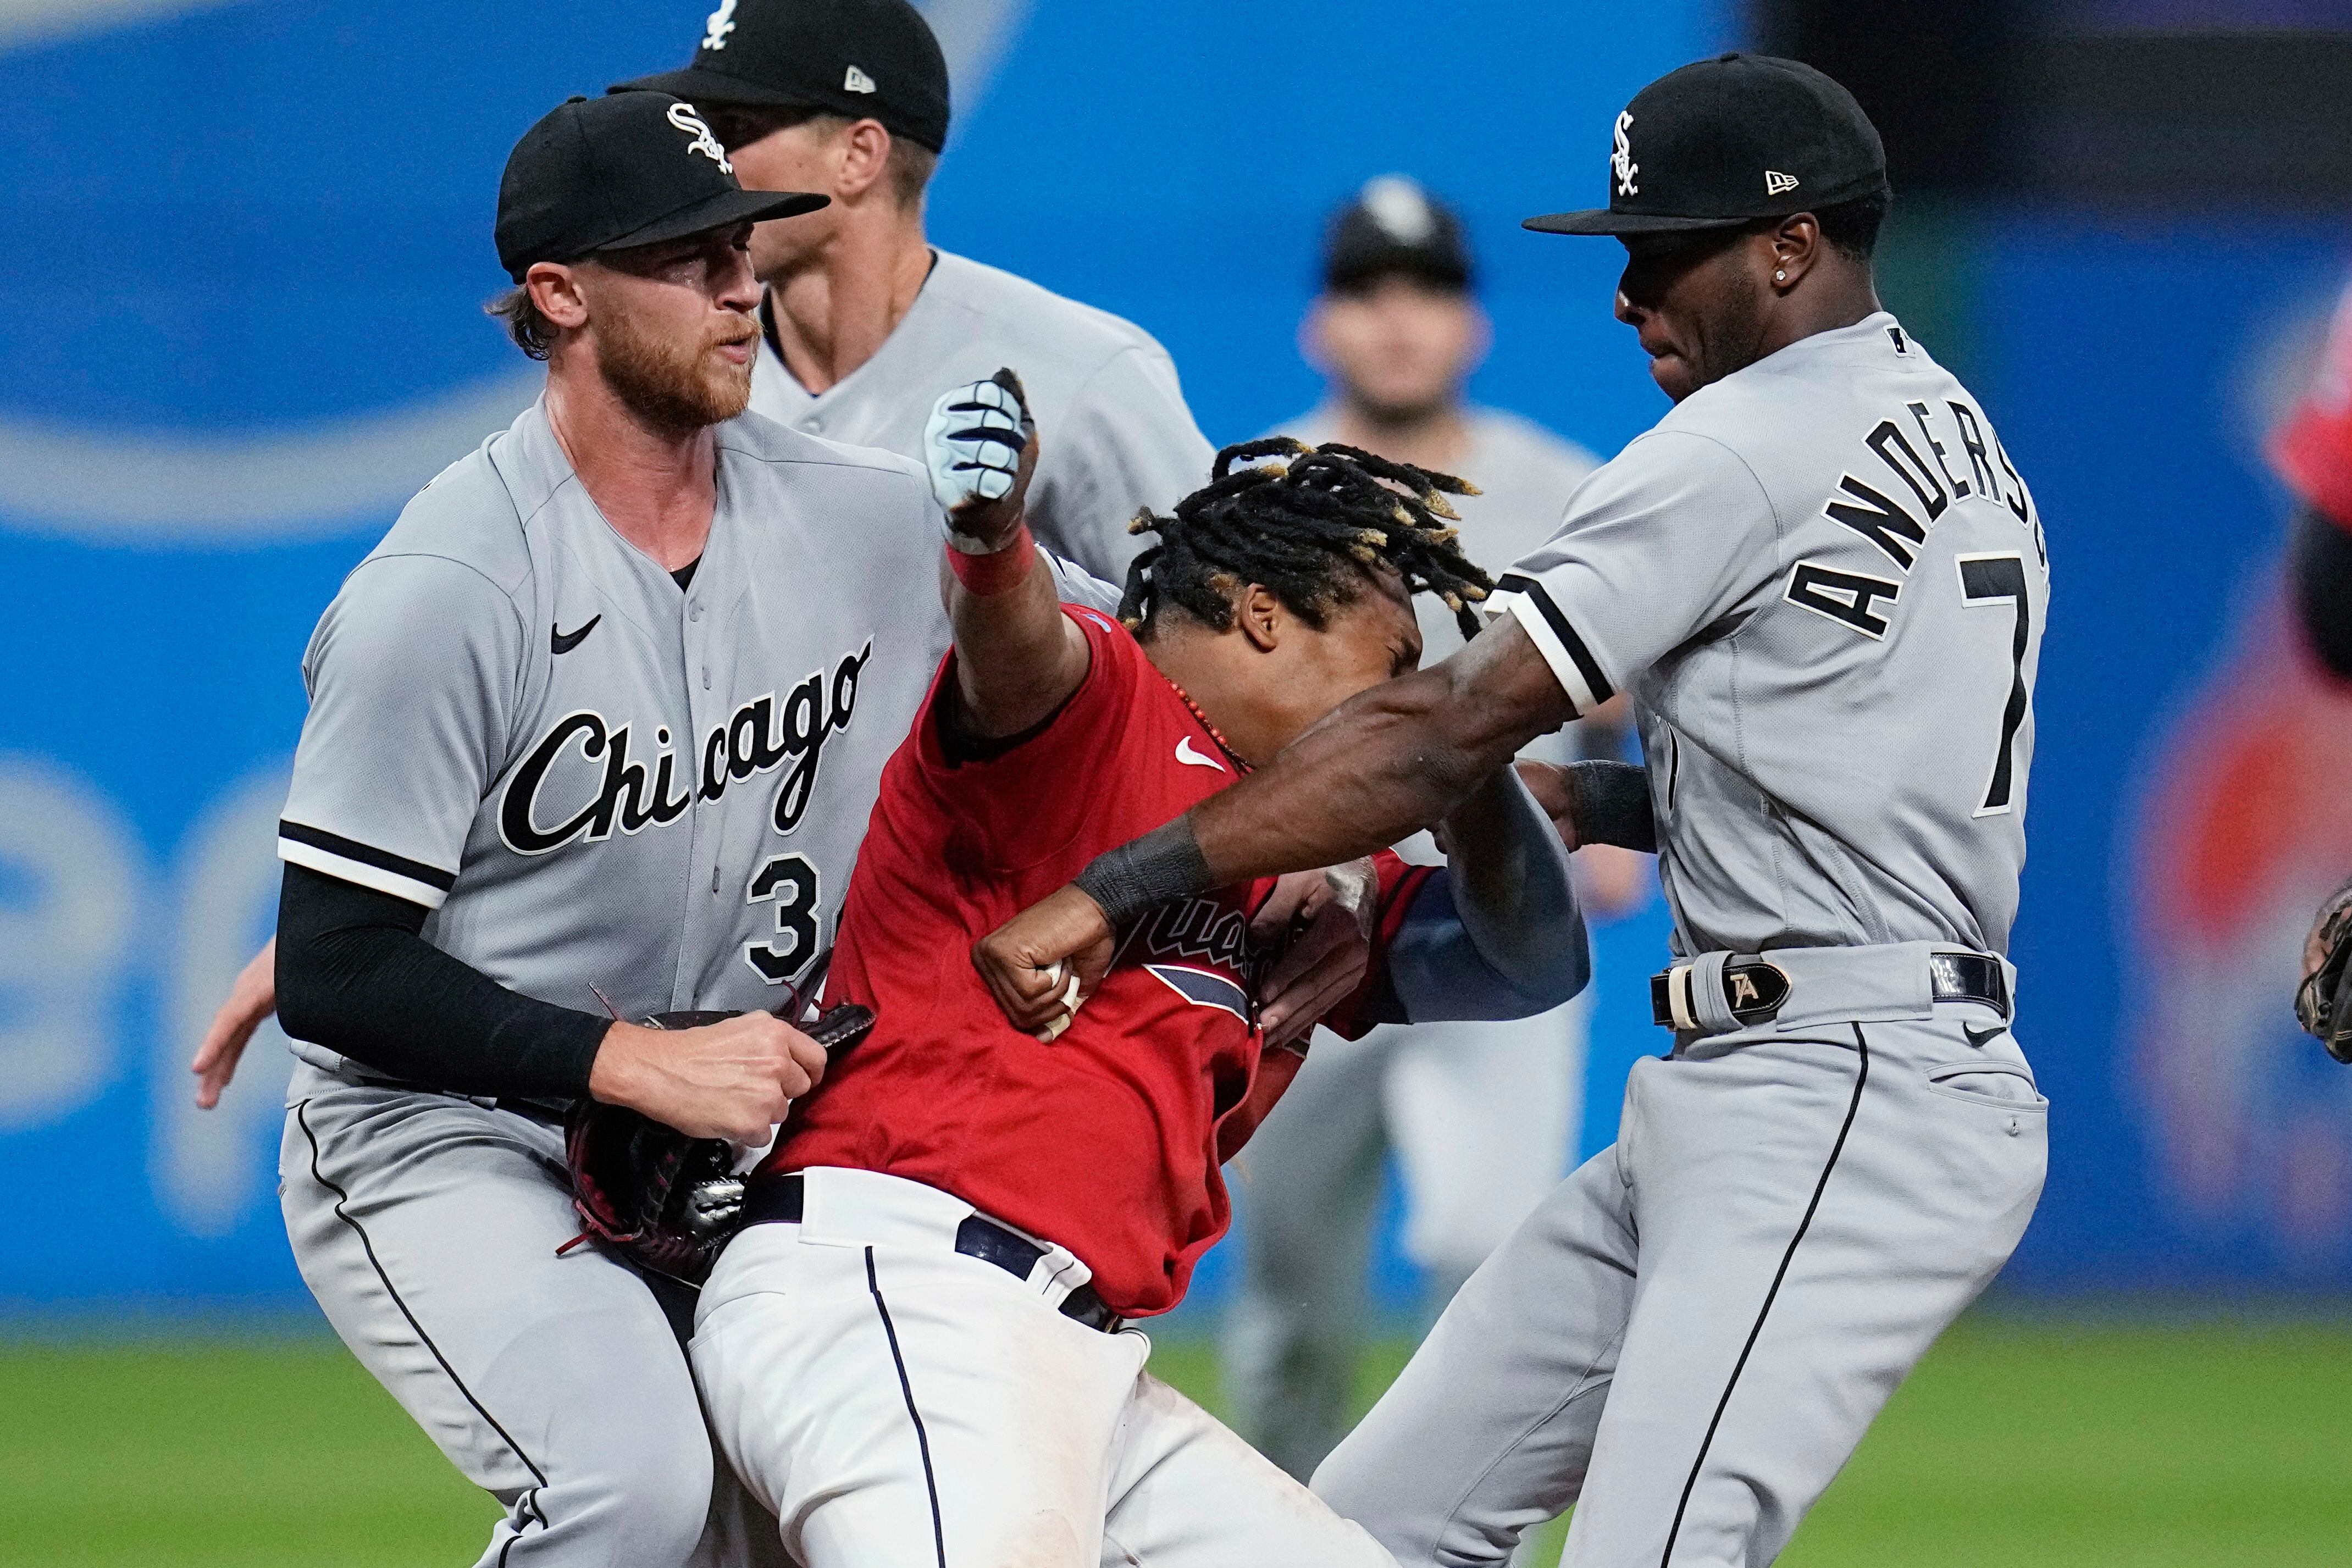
{"x": 1755, "y": 989}
{"x": 777, "y": 1199}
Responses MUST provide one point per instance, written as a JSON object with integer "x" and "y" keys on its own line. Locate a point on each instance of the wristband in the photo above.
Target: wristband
{"x": 999, "y": 570}
{"x": 1164, "y": 863}
{"x": 1609, "y": 802}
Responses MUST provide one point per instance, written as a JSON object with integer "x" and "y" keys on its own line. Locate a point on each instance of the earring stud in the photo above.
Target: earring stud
{"x": 1782, "y": 276}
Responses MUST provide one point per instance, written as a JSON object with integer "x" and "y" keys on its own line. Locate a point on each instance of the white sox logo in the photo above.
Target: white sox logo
{"x": 682, "y": 115}
{"x": 721, "y": 23}
{"x": 758, "y": 737}
{"x": 1622, "y": 159}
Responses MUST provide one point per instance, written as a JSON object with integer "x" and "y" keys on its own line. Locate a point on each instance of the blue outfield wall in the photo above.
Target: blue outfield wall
{"x": 246, "y": 245}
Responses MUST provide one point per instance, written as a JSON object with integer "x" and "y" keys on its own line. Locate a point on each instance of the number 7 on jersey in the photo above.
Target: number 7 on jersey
{"x": 1995, "y": 579}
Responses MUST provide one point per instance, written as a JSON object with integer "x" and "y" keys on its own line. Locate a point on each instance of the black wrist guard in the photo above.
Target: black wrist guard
{"x": 1609, "y": 802}
{"x": 1164, "y": 863}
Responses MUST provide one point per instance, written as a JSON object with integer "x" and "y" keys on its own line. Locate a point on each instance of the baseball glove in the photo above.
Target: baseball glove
{"x": 664, "y": 1200}
{"x": 2322, "y": 1003}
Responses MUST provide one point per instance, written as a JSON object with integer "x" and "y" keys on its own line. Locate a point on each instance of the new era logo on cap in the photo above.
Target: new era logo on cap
{"x": 1777, "y": 184}
{"x": 857, "y": 81}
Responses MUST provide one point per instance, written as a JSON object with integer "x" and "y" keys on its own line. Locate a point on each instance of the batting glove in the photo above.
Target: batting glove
{"x": 973, "y": 445}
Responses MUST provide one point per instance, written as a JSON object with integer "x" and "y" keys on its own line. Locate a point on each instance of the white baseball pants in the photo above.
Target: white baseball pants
{"x": 898, "y": 1404}
{"x": 1689, "y": 1337}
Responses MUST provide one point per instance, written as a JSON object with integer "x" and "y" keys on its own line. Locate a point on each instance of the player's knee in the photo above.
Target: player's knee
{"x": 645, "y": 1487}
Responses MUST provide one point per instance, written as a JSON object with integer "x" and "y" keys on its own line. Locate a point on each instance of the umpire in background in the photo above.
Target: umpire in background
{"x": 1482, "y": 1117}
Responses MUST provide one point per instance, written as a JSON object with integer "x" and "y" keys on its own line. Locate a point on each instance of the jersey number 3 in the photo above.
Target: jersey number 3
{"x": 1995, "y": 580}
{"x": 788, "y": 881}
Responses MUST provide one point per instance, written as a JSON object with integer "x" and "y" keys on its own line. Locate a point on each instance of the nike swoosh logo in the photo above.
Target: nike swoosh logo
{"x": 1185, "y": 754}
{"x": 1979, "y": 1037}
{"x": 563, "y": 642}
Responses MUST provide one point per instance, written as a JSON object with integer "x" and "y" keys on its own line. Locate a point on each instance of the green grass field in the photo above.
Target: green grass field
{"x": 2018, "y": 1442}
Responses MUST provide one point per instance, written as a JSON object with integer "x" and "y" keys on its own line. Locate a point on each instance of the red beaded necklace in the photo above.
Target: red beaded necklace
{"x": 1214, "y": 732}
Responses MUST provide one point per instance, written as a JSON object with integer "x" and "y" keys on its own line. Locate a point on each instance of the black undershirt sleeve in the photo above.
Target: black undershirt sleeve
{"x": 355, "y": 975}
{"x": 2323, "y": 587}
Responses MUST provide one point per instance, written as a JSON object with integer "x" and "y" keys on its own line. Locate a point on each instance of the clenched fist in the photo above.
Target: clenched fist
{"x": 731, "y": 1080}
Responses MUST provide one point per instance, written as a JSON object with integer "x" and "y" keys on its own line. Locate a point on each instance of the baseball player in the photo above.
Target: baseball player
{"x": 1480, "y": 1115}
{"x": 581, "y": 734}
{"x": 1821, "y": 583}
{"x": 862, "y": 322}
{"x": 914, "y": 1352}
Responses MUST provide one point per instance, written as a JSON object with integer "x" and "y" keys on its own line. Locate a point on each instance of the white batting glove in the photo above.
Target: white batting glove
{"x": 973, "y": 445}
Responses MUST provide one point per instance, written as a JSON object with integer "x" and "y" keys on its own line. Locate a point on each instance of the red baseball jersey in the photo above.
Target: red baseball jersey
{"x": 1108, "y": 1140}
{"x": 2314, "y": 448}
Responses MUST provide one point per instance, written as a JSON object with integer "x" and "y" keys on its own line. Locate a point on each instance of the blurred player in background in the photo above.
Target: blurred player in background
{"x": 1482, "y": 1116}
{"x": 863, "y": 322}
{"x": 2314, "y": 454}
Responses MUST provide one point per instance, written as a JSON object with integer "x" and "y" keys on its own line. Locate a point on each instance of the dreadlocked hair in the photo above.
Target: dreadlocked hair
{"x": 1308, "y": 530}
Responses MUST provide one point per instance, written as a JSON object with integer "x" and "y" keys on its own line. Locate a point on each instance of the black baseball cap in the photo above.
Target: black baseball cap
{"x": 862, "y": 58}
{"x": 1727, "y": 140}
{"x": 605, "y": 173}
{"x": 1394, "y": 226}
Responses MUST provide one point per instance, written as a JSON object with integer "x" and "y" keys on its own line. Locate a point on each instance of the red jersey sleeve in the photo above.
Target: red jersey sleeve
{"x": 2313, "y": 450}
{"x": 1014, "y": 821}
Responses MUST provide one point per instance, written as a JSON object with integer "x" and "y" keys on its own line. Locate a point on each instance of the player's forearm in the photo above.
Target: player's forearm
{"x": 354, "y": 977}
{"x": 1515, "y": 892}
{"x": 1395, "y": 759}
{"x": 1018, "y": 657}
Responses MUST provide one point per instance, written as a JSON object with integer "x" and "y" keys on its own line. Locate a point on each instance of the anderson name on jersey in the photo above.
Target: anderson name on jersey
{"x": 1839, "y": 515}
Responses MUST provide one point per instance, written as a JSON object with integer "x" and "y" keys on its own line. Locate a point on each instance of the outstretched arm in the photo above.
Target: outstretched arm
{"x": 1393, "y": 759}
{"x": 1018, "y": 657}
{"x": 1501, "y": 935}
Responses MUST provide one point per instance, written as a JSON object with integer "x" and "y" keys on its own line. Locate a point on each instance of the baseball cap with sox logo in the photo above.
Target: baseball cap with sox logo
{"x": 857, "y": 58}
{"x": 610, "y": 174}
{"x": 1725, "y": 142}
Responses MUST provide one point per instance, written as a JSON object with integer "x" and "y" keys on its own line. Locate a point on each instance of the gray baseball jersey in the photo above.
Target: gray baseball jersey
{"x": 1822, "y": 584}
{"x": 1115, "y": 433}
{"x": 591, "y": 777}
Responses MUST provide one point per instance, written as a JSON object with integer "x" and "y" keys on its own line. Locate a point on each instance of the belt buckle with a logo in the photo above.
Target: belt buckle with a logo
{"x": 1753, "y": 992}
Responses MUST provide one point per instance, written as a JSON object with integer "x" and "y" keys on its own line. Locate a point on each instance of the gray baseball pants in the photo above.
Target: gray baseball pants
{"x": 1689, "y": 1337}
{"x": 426, "y": 1227}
